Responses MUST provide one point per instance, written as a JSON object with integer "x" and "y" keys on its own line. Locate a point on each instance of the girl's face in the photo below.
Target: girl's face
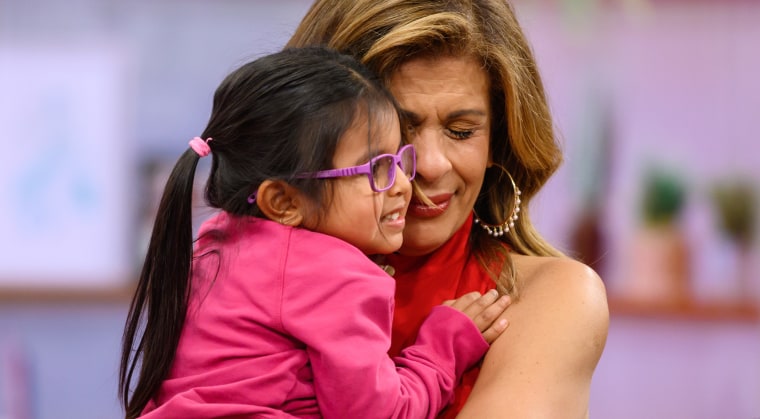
{"x": 372, "y": 221}
{"x": 447, "y": 99}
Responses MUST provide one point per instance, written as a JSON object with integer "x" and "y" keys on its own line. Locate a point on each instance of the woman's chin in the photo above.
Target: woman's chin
{"x": 421, "y": 238}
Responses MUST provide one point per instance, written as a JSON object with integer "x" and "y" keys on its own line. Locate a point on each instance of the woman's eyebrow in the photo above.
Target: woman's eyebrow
{"x": 411, "y": 116}
{"x": 408, "y": 115}
{"x": 466, "y": 112}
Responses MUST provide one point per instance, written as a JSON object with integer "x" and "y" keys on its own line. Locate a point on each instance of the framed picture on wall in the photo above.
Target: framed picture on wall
{"x": 66, "y": 213}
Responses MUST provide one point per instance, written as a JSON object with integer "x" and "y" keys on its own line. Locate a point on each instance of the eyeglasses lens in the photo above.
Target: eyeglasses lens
{"x": 383, "y": 172}
{"x": 407, "y": 162}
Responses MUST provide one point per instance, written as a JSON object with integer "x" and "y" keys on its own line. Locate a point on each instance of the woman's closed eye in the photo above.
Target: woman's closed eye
{"x": 460, "y": 134}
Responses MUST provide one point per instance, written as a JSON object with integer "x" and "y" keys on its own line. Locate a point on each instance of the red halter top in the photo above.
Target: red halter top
{"x": 426, "y": 281}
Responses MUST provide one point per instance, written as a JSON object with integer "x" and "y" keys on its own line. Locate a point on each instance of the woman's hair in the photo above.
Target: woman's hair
{"x": 385, "y": 35}
{"x": 272, "y": 118}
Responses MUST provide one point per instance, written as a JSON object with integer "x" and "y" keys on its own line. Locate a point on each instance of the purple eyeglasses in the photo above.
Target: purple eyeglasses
{"x": 381, "y": 169}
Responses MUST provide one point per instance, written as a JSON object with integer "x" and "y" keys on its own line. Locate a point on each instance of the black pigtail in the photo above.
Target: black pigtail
{"x": 160, "y": 301}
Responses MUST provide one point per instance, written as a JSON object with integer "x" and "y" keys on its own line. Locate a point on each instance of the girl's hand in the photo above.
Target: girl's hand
{"x": 484, "y": 310}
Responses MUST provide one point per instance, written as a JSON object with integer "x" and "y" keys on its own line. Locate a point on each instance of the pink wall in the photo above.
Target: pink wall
{"x": 681, "y": 82}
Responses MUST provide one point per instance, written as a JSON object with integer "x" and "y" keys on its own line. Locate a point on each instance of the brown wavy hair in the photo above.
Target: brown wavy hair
{"x": 386, "y": 34}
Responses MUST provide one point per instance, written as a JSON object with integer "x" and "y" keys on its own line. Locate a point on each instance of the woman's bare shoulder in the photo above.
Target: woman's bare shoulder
{"x": 542, "y": 365}
{"x": 528, "y": 266}
{"x": 558, "y": 292}
{"x": 541, "y": 278}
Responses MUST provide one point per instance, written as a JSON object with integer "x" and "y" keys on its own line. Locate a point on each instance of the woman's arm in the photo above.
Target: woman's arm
{"x": 541, "y": 366}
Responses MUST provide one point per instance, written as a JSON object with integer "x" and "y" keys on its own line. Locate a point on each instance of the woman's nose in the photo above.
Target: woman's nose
{"x": 432, "y": 162}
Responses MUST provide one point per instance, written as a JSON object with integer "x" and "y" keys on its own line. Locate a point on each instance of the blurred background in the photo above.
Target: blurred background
{"x": 656, "y": 103}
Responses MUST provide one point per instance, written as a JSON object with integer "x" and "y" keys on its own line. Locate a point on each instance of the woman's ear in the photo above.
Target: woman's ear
{"x": 281, "y": 202}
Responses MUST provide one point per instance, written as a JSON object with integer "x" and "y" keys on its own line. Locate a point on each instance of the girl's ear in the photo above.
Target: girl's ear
{"x": 281, "y": 202}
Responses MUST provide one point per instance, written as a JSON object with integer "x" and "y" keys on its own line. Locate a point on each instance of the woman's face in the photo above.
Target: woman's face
{"x": 448, "y": 104}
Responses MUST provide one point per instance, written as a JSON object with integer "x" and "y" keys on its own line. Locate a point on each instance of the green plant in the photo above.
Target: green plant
{"x": 735, "y": 202}
{"x": 663, "y": 199}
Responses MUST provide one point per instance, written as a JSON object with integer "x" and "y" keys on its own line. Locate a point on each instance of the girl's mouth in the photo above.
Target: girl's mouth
{"x": 394, "y": 219}
{"x": 391, "y": 217}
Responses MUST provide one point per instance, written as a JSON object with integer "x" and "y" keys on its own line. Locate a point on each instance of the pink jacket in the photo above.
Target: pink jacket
{"x": 287, "y": 322}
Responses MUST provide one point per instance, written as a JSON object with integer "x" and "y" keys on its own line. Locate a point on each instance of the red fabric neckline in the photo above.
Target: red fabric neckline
{"x": 426, "y": 281}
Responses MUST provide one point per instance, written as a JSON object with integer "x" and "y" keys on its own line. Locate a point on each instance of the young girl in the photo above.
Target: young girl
{"x": 277, "y": 311}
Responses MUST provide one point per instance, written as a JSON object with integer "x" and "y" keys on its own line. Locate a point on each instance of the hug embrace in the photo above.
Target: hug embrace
{"x": 373, "y": 253}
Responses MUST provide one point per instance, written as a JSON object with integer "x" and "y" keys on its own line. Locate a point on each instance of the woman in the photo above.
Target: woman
{"x": 467, "y": 81}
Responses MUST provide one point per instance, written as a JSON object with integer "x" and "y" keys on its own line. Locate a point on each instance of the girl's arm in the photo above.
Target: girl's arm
{"x": 541, "y": 367}
{"x": 343, "y": 316}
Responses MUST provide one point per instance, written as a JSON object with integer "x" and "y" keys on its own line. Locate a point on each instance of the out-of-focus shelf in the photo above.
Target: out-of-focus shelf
{"x": 65, "y": 295}
{"x": 738, "y": 311}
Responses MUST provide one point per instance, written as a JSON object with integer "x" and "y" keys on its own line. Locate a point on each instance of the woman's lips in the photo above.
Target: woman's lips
{"x": 420, "y": 210}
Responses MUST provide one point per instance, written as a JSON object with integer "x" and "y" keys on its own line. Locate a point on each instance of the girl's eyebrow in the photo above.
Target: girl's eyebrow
{"x": 364, "y": 158}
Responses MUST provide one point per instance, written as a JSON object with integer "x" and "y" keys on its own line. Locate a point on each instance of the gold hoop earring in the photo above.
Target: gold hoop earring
{"x": 497, "y": 230}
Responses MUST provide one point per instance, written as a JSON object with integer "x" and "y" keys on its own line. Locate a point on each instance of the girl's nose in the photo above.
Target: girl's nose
{"x": 401, "y": 185}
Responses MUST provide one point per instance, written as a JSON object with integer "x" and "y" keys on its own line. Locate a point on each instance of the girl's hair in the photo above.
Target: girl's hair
{"x": 272, "y": 118}
{"x": 385, "y": 35}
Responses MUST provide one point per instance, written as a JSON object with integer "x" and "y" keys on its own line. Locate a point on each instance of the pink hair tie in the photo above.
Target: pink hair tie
{"x": 199, "y": 146}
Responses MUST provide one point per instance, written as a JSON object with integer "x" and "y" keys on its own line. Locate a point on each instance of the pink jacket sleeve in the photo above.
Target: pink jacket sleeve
{"x": 340, "y": 307}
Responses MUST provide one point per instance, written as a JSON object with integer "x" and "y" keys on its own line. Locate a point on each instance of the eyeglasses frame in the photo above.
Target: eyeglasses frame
{"x": 366, "y": 169}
